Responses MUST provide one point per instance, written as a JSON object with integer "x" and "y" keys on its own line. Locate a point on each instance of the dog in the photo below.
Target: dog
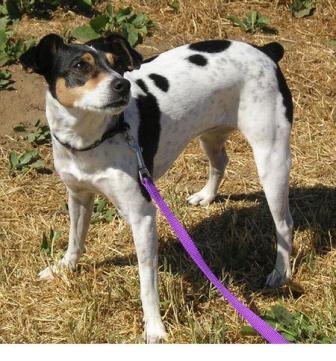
{"x": 103, "y": 90}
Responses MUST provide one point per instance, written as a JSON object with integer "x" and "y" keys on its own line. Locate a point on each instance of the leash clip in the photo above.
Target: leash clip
{"x": 133, "y": 144}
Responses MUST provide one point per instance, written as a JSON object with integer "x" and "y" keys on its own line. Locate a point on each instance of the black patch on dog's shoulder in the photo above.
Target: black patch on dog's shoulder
{"x": 198, "y": 59}
{"x": 286, "y": 94}
{"x": 142, "y": 85}
{"x": 160, "y": 81}
{"x": 210, "y": 46}
{"x": 149, "y": 59}
{"x": 149, "y": 131}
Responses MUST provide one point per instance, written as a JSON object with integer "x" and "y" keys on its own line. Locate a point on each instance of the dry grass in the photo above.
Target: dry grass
{"x": 100, "y": 303}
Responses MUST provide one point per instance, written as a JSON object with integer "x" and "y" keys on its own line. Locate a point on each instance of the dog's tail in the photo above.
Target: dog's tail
{"x": 274, "y": 50}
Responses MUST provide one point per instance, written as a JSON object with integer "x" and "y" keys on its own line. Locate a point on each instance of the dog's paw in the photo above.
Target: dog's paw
{"x": 55, "y": 270}
{"x": 155, "y": 333}
{"x": 48, "y": 273}
{"x": 202, "y": 198}
{"x": 276, "y": 279}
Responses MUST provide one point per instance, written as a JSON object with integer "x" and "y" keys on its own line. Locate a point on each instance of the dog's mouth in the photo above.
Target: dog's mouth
{"x": 116, "y": 103}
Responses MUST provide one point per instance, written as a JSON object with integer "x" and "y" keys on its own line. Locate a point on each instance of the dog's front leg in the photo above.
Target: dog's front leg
{"x": 80, "y": 209}
{"x": 143, "y": 224}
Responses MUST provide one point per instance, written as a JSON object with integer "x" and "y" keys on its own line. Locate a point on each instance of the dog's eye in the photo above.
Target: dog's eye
{"x": 81, "y": 65}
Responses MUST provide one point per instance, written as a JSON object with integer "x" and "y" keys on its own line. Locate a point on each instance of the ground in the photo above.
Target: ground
{"x": 100, "y": 302}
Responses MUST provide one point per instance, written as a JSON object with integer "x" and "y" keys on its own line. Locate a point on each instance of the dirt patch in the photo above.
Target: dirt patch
{"x": 25, "y": 103}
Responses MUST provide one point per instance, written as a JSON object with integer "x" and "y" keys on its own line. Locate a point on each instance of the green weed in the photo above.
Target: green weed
{"x": 102, "y": 212}
{"x": 40, "y": 135}
{"x": 303, "y": 8}
{"x": 30, "y": 159}
{"x": 11, "y": 49}
{"x": 131, "y": 25}
{"x": 175, "y": 5}
{"x": 253, "y": 22}
{"x": 295, "y": 327}
{"x": 14, "y": 9}
{"x": 5, "y": 79}
{"x": 48, "y": 241}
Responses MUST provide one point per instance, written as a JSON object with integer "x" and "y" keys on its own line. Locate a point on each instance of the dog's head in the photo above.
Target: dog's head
{"x": 86, "y": 76}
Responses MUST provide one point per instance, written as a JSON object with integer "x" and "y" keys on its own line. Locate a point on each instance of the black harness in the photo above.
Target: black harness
{"x": 120, "y": 127}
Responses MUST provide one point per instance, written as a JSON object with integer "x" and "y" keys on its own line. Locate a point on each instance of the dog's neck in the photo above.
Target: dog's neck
{"x": 76, "y": 127}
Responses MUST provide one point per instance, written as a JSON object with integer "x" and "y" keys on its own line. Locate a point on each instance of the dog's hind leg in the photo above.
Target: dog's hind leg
{"x": 268, "y": 133}
{"x": 80, "y": 209}
{"x": 212, "y": 143}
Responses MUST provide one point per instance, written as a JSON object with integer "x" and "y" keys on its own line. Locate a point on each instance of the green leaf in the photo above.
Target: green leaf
{"x": 27, "y": 157}
{"x": 124, "y": 14}
{"x": 248, "y": 331}
{"x": 302, "y": 13}
{"x": 4, "y": 23}
{"x": 31, "y": 137}
{"x": 237, "y": 21}
{"x": 175, "y": 5}
{"x": 99, "y": 22}
{"x": 85, "y": 33}
{"x": 263, "y": 20}
{"x": 139, "y": 21}
{"x": 100, "y": 205}
{"x": 39, "y": 164}
{"x": 132, "y": 37}
{"x": 252, "y": 16}
{"x": 19, "y": 129}
{"x": 3, "y": 39}
{"x": 282, "y": 315}
{"x": 109, "y": 215}
{"x": 13, "y": 159}
{"x": 109, "y": 10}
{"x": 44, "y": 244}
{"x": 55, "y": 236}
{"x": 331, "y": 43}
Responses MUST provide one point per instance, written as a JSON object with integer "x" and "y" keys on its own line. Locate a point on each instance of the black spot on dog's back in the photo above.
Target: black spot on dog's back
{"x": 198, "y": 59}
{"x": 142, "y": 85}
{"x": 274, "y": 50}
{"x": 210, "y": 46}
{"x": 160, "y": 81}
{"x": 286, "y": 94}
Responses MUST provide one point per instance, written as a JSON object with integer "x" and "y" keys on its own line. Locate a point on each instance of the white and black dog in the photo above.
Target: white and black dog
{"x": 101, "y": 90}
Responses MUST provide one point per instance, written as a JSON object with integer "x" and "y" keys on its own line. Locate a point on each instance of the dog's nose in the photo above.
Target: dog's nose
{"x": 121, "y": 86}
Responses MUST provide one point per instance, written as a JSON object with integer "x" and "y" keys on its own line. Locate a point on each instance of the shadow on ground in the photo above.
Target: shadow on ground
{"x": 240, "y": 244}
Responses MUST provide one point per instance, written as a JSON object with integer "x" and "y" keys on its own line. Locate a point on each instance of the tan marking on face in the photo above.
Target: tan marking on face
{"x": 67, "y": 96}
{"x": 89, "y": 59}
{"x": 93, "y": 82}
{"x": 110, "y": 58}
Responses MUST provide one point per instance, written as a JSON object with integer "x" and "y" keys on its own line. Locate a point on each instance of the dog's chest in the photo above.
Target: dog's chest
{"x": 107, "y": 163}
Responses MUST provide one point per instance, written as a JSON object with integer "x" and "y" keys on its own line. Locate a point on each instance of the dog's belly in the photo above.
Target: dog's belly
{"x": 191, "y": 116}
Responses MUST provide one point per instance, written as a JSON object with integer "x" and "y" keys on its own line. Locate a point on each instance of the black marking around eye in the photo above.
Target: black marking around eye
{"x": 198, "y": 59}
{"x": 286, "y": 94}
{"x": 210, "y": 46}
{"x": 160, "y": 81}
{"x": 142, "y": 85}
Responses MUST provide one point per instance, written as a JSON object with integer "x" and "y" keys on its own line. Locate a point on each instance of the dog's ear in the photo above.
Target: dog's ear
{"x": 121, "y": 48}
{"x": 40, "y": 58}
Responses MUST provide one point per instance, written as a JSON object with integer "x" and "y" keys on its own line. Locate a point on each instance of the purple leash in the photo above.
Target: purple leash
{"x": 262, "y": 327}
